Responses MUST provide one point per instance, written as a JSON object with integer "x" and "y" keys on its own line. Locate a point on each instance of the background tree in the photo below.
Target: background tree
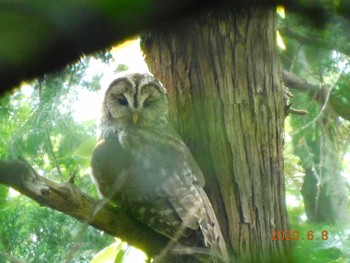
{"x": 319, "y": 57}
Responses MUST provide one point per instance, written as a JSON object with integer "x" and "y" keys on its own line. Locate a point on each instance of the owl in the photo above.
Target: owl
{"x": 142, "y": 165}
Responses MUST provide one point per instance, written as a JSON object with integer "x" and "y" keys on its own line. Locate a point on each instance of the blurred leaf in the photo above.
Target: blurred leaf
{"x": 85, "y": 148}
{"x": 340, "y": 97}
{"x": 108, "y": 254}
{"x": 329, "y": 250}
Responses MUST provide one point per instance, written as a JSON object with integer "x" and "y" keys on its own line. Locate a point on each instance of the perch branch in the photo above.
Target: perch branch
{"x": 68, "y": 199}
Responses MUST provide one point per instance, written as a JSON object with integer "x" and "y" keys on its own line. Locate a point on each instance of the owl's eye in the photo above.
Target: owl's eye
{"x": 147, "y": 102}
{"x": 121, "y": 99}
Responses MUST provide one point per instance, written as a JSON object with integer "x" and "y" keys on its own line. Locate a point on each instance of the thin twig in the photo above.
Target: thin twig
{"x": 319, "y": 179}
{"x": 52, "y": 152}
{"x": 323, "y": 107}
{"x": 297, "y": 111}
{"x": 77, "y": 243}
{"x": 295, "y": 57}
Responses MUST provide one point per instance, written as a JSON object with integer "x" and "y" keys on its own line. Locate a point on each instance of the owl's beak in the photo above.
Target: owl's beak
{"x": 135, "y": 117}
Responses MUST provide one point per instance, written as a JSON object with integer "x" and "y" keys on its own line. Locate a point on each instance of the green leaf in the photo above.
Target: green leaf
{"x": 108, "y": 254}
{"x": 85, "y": 148}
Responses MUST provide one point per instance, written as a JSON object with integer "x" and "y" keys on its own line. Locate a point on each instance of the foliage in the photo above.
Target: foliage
{"x": 119, "y": 252}
{"x": 40, "y": 128}
{"x": 340, "y": 97}
{"x": 318, "y": 141}
{"x": 334, "y": 249}
{"x": 36, "y": 234}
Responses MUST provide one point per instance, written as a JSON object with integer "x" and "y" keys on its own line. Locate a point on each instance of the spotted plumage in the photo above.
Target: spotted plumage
{"x": 142, "y": 165}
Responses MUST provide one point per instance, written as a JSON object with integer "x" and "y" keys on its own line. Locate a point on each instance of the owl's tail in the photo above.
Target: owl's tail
{"x": 210, "y": 228}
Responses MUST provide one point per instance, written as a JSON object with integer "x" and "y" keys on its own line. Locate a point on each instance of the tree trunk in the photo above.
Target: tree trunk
{"x": 222, "y": 73}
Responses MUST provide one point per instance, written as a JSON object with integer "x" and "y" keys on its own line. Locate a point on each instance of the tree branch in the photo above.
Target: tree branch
{"x": 292, "y": 81}
{"x": 68, "y": 199}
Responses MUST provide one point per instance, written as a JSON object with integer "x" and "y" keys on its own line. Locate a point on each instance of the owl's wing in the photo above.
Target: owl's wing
{"x": 155, "y": 178}
{"x": 107, "y": 159}
{"x": 183, "y": 210}
{"x": 190, "y": 202}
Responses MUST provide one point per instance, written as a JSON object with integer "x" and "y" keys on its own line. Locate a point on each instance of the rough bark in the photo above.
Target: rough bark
{"x": 223, "y": 77}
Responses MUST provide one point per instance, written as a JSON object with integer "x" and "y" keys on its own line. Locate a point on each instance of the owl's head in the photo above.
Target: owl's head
{"x": 135, "y": 99}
